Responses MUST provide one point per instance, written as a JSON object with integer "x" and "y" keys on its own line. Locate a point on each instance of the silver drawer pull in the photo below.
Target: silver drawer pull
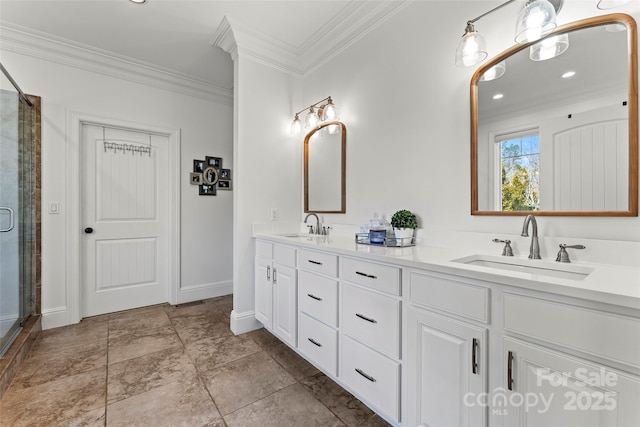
{"x": 314, "y": 342}
{"x": 368, "y": 319}
{"x": 369, "y": 377}
{"x": 370, "y": 276}
{"x": 314, "y": 297}
{"x": 314, "y": 262}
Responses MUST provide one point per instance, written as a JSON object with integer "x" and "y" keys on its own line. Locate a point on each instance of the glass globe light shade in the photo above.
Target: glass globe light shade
{"x": 549, "y": 47}
{"x": 296, "y": 126}
{"x": 311, "y": 120}
{"x": 330, "y": 112}
{"x": 536, "y": 19}
{"x": 472, "y": 49}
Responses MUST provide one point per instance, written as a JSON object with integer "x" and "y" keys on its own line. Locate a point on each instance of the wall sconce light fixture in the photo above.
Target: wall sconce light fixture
{"x": 319, "y": 112}
{"x": 536, "y": 20}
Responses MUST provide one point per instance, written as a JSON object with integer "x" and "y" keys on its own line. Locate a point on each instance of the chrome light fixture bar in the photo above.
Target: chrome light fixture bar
{"x": 318, "y": 112}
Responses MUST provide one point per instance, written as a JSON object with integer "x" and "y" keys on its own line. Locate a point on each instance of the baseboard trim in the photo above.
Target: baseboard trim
{"x": 209, "y": 290}
{"x": 244, "y": 322}
{"x": 55, "y": 317}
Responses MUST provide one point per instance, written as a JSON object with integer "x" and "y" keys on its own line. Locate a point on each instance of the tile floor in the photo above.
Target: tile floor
{"x": 173, "y": 366}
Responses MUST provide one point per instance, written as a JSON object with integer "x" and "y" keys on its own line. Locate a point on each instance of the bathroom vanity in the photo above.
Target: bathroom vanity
{"x": 440, "y": 336}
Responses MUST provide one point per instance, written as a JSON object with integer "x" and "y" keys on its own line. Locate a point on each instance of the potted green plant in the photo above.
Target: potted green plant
{"x": 403, "y": 223}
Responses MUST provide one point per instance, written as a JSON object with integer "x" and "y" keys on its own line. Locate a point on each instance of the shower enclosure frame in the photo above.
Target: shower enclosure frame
{"x": 27, "y": 221}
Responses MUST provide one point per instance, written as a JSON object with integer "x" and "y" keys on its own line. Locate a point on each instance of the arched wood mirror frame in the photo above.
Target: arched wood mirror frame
{"x": 343, "y": 166}
{"x": 630, "y": 24}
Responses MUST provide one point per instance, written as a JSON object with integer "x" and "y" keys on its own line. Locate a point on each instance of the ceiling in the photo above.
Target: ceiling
{"x": 176, "y": 35}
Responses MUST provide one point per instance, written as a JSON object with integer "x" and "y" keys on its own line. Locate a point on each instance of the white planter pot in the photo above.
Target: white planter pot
{"x": 404, "y": 233}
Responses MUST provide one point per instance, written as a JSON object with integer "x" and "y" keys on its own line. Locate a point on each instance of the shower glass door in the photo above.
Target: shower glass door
{"x": 16, "y": 211}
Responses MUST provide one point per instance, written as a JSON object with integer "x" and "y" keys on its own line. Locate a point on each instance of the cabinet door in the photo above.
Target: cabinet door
{"x": 285, "y": 306}
{"x": 264, "y": 292}
{"x": 549, "y": 388}
{"x": 446, "y": 369}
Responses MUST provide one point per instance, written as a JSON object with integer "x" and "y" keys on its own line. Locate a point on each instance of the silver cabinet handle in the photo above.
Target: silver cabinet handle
{"x": 274, "y": 275}
{"x": 314, "y": 342}
{"x": 268, "y": 272}
{"x": 314, "y": 262}
{"x": 314, "y": 297}
{"x": 510, "y": 370}
{"x": 474, "y": 357}
{"x": 370, "y": 276}
{"x": 11, "y": 219}
{"x": 368, "y": 319}
{"x": 369, "y": 377}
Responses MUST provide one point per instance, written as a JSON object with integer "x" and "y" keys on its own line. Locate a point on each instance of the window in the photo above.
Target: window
{"x": 519, "y": 163}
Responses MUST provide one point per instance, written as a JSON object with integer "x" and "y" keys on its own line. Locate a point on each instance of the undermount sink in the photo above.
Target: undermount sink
{"x": 537, "y": 267}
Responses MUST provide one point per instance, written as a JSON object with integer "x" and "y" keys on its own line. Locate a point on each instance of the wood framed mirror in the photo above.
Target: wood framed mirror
{"x": 553, "y": 145}
{"x": 325, "y": 163}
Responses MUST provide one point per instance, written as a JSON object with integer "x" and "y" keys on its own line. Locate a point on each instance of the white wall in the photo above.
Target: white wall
{"x": 206, "y": 129}
{"x": 406, "y": 108}
{"x": 268, "y": 169}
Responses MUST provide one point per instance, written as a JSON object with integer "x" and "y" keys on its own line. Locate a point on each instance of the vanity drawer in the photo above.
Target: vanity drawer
{"x": 374, "y": 376}
{"x": 377, "y": 276}
{"x": 264, "y": 249}
{"x": 318, "y": 342}
{"x": 372, "y": 318}
{"x": 319, "y": 262}
{"x": 455, "y": 297}
{"x": 318, "y": 297}
{"x": 284, "y": 255}
{"x": 610, "y": 336}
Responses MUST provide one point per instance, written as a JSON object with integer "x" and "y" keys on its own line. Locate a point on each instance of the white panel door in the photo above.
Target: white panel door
{"x": 589, "y": 158}
{"x": 447, "y": 371}
{"x": 549, "y": 388}
{"x": 125, "y": 219}
{"x": 285, "y": 303}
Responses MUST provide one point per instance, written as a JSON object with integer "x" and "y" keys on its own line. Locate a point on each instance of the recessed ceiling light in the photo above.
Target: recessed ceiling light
{"x": 498, "y": 96}
{"x": 568, "y": 74}
{"x": 138, "y": 1}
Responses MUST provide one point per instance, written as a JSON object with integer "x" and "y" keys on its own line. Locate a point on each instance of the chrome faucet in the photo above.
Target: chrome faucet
{"x": 313, "y": 230}
{"x": 534, "y": 250}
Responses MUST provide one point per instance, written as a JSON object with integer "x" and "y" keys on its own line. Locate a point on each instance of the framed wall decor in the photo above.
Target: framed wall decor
{"x": 225, "y": 173}
{"x": 215, "y": 162}
{"x": 198, "y": 165}
{"x": 195, "y": 178}
{"x": 207, "y": 190}
{"x": 210, "y": 176}
{"x": 224, "y": 184}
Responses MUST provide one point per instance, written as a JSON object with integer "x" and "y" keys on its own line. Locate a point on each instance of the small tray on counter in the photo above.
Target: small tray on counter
{"x": 402, "y": 242}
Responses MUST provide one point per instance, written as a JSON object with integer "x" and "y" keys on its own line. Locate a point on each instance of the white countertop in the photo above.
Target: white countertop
{"x": 618, "y": 285}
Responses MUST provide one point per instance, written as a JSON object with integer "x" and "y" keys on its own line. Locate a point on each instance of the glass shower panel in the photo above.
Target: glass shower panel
{"x": 15, "y": 211}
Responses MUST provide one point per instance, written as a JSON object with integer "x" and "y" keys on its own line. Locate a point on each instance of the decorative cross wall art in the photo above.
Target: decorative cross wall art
{"x": 209, "y": 176}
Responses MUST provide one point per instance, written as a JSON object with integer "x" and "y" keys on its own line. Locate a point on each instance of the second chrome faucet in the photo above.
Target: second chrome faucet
{"x": 534, "y": 249}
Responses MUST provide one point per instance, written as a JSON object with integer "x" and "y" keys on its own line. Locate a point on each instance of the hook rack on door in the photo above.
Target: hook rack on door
{"x": 133, "y": 148}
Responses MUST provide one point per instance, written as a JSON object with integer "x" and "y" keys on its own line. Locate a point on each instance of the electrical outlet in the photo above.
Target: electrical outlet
{"x": 274, "y": 214}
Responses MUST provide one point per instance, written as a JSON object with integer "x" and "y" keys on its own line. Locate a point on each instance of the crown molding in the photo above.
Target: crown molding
{"x": 26, "y": 41}
{"x": 349, "y": 25}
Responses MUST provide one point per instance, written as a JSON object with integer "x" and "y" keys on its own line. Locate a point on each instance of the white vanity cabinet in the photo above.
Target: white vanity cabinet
{"x": 276, "y": 290}
{"x": 549, "y": 371}
{"x": 441, "y": 346}
{"x": 447, "y": 357}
